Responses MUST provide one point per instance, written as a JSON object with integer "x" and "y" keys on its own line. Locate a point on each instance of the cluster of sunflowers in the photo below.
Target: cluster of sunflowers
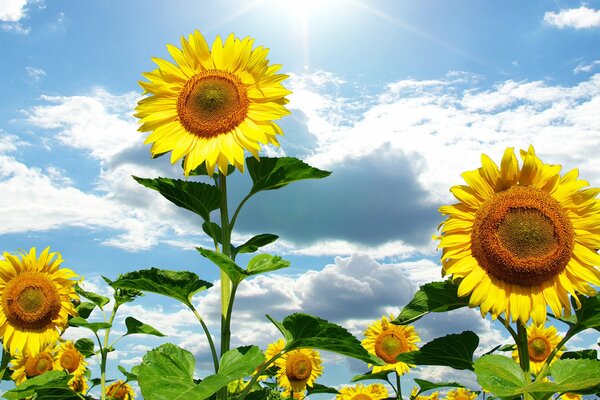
{"x": 521, "y": 240}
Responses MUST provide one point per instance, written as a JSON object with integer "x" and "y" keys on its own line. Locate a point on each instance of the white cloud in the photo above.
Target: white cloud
{"x": 586, "y": 67}
{"x": 35, "y": 73}
{"x": 12, "y": 10}
{"x": 576, "y": 18}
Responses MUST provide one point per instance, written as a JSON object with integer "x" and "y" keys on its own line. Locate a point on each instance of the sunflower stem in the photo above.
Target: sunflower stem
{"x": 523, "y": 349}
{"x": 213, "y": 350}
{"x": 225, "y": 281}
{"x": 104, "y": 352}
{"x": 399, "y": 390}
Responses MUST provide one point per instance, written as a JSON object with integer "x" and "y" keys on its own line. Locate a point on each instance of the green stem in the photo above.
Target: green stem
{"x": 213, "y": 350}
{"x": 104, "y": 352}
{"x": 262, "y": 369}
{"x": 225, "y": 281}
{"x": 399, "y": 391}
{"x": 510, "y": 329}
{"x": 227, "y": 326}
{"x": 523, "y": 348}
{"x": 4, "y": 363}
{"x": 239, "y": 207}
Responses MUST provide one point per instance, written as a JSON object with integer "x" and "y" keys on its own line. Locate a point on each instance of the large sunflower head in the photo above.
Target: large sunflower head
{"x": 298, "y": 369}
{"x": 68, "y": 358}
{"x": 361, "y": 392}
{"x": 540, "y": 343}
{"x": 120, "y": 390}
{"x": 29, "y": 365}
{"x": 387, "y": 341}
{"x": 36, "y": 300}
{"x": 212, "y": 104}
{"x": 522, "y": 238}
{"x": 461, "y": 394}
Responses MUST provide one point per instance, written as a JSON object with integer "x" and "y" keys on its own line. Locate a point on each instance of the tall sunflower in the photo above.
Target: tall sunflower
{"x": 298, "y": 369}
{"x": 461, "y": 394}
{"x": 387, "y": 341}
{"x": 540, "y": 343}
{"x": 36, "y": 300}
{"x": 29, "y": 365}
{"x": 375, "y": 391}
{"x": 522, "y": 238}
{"x": 212, "y": 104}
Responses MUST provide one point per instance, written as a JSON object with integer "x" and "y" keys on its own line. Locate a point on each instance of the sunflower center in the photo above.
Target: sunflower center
{"x": 539, "y": 349}
{"x": 30, "y": 300}
{"x": 212, "y": 103}
{"x": 39, "y": 364}
{"x": 361, "y": 396}
{"x": 298, "y": 367}
{"x": 522, "y": 236}
{"x": 388, "y": 345}
{"x": 70, "y": 360}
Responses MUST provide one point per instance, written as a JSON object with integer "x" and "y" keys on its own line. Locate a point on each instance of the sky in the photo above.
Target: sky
{"x": 396, "y": 98}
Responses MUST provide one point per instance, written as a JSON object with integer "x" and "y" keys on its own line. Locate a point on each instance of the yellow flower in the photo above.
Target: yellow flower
{"x": 120, "y": 390}
{"x": 571, "y": 396}
{"x": 432, "y": 396}
{"x": 461, "y": 394}
{"x": 298, "y": 368}
{"x": 70, "y": 359}
{"x": 79, "y": 383}
{"x": 540, "y": 343}
{"x": 297, "y": 395}
{"x": 27, "y": 365}
{"x": 522, "y": 238}
{"x": 361, "y": 392}
{"x": 386, "y": 341}
{"x": 212, "y": 104}
{"x": 36, "y": 300}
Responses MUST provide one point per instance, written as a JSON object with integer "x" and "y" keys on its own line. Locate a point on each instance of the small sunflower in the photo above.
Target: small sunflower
{"x": 361, "y": 392}
{"x": 27, "y": 365}
{"x": 70, "y": 359}
{"x": 571, "y": 396}
{"x": 387, "y": 341}
{"x": 79, "y": 383}
{"x": 461, "y": 394}
{"x": 212, "y": 104}
{"x": 432, "y": 396}
{"x": 522, "y": 238}
{"x": 120, "y": 390}
{"x": 298, "y": 369}
{"x": 36, "y": 300}
{"x": 540, "y": 343}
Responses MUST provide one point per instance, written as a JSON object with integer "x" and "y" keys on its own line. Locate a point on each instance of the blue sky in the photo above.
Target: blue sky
{"x": 396, "y": 98}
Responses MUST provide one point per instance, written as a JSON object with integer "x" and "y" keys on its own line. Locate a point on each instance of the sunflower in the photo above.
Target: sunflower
{"x": 36, "y": 300}
{"x": 571, "y": 396}
{"x": 540, "y": 343}
{"x": 432, "y": 396}
{"x": 461, "y": 394}
{"x": 386, "y": 341}
{"x": 26, "y": 365}
{"x": 68, "y": 358}
{"x": 298, "y": 369}
{"x": 522, "y": 238}
{"x": 297, "y": 395}
{"x": 212, "y": 104}
{"x": 79, "y": 383}
{"x": 120, "y": 390}
{"x": 361, "y": 392}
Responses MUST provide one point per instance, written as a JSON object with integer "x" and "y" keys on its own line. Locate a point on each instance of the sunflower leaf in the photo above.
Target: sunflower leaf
{"x": 180, "y": 285}
{"x": 425, "y": 385}
{"x": 306, "y": 331}
{"x": 49, "y": 380}
{"x": 431, "y": 297}
{"x": 264, "y": 263}
{"x": 499, "y": 375}
{"x": 135, "y": 326}
{"x": 589, "y": 354}
{"x": 588, "y": 315}
{"x": 200, "y": 198}
{"x": 256, "y": 242}
{"x": 85, "y": 346}
{"x": 270, "y": 173}
{"x": 382, "y": 375}
{"x": 131, "y": 376}
{"x": 318, "y": 388}
{"x": 93, "y": 326}
{"x": 576, "y": 375}
{"x": 225, "y": 264}
{"x": 85, "y": 308}
{"x": 98, "y": 300}
{"x": 454, "y": 351}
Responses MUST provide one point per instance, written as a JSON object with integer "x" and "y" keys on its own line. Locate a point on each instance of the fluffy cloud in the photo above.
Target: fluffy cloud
{"x": 13, "y": 11}
{"x": 576, "y": 18}
{"x": 586, "y": 67}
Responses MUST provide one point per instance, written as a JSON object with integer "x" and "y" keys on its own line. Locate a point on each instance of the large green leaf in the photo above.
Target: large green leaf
{"x": 180, "y": 285}
{"x": 93, "y": 326}
{"x": 85, "y": 308}
{"x": 431, "y": 297}
{"x": 135, "y": 326}
{"x": 85, "y": 347}
{"x": 305, "y": 331}
{"x": 256, "y": 242}
{"x": 454, "y": 351}
{"x": 167, "y": 372}
{"x": 98, "y": 300}
{"x": 588, "y": 315}
{"x": 50, "y": 381}
{"x": 198, "y": 197}
{"x": 226, "y": 264}
{"x": 318, "y": 388}
{"x": 576, "y": 375}
{"x": 382, "y": 375}
{"x": 499, "y": 375}
{"x": 270, "y": 173}
{"x": 427, "y": 385}
{"x": 262, "y": 263}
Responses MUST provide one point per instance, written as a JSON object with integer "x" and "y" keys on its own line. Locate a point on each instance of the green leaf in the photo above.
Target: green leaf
{"x": 424, "y": 385}
{"x": 98, "y": 300}
{"x": 576, "y": 375}
{"x": 93, "y": 326}
{"x": 262, "y": 263}
{"x": 200, "y": 170}
{"x": 499, "y": 375}
{"x": 130, "y": 376}
{"x": 431, "y": 297}
{"x": 226, "y": 264}
{"x": 256, "y": 242}
{"x": 135, "y": 326}
{"x": 588, "y": 354}
{"x": 198, "y": 197}
{"x": 318, "y": 388}
{"x": 213, "y": 230}
{"x": 85, "y": 308}
{"x": 454, "y": 351}
{"x": 382, "y": 375}
{"x": 168, "y": 372}
{"x": 305, "y": 331}
{"x": 588, "y": 316}
{"x": 180, "y": 285}
{"x": 85, "y": 346}
{"x": 48, "y": 380}
{"x": 273, "y": 173}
